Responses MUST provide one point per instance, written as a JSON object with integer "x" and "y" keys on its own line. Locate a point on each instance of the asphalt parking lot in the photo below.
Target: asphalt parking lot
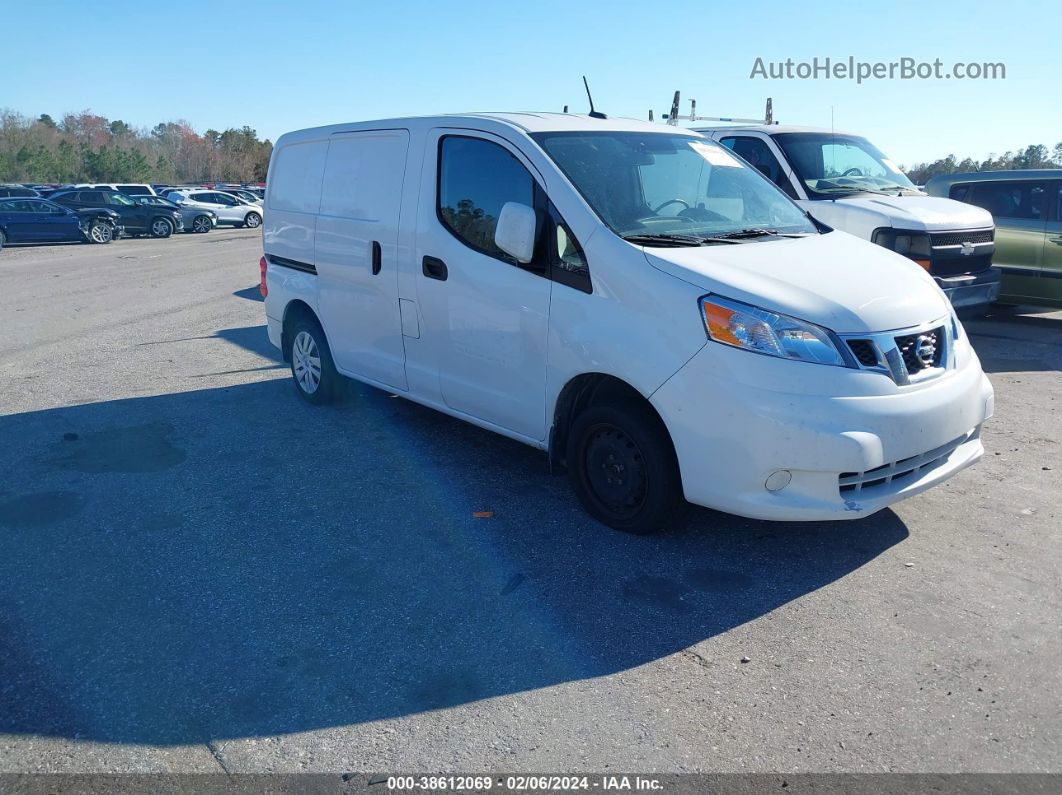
{"x": 201, "y": 573}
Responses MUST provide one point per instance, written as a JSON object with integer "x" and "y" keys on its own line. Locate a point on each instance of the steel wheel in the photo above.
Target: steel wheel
{"x": 201, "y": 224}
{"x": 253, "y": 220}
{"x": 101, "y": 232}
{"x": 623, "y": 467}
{"x": 616, "y": 469}
{"x": 306, "y": 362}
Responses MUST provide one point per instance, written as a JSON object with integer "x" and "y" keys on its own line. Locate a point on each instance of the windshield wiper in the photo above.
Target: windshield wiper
{"x": 745, "y": 234}
{"x": 665, "y": 240}
{"x": 860, "y": 190}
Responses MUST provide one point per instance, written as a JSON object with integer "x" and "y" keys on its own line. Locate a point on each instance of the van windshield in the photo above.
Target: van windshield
{"x": 831, "y": 165}
{"x": 658, "y": 185}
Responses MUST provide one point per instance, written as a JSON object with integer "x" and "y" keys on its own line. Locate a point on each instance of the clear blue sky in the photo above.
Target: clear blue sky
{"x": 277, "y": 66}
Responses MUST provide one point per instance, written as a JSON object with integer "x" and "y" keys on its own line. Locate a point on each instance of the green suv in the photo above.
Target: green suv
{"x": 1027, "y": 208}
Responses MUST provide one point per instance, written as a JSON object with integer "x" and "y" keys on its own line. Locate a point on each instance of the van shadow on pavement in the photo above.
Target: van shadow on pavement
{"x": 231, "y": 563}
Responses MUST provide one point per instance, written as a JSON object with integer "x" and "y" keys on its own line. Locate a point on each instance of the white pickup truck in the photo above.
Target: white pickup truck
{"x": 845, "y": 182}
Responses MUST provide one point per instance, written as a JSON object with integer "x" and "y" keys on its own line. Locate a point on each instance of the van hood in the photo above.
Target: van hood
{"x": 835, "y": 280}
{"x": 921, "y": 213}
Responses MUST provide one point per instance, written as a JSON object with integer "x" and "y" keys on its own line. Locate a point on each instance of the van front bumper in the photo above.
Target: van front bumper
{"x": 769, "y": 438}
{"x": 972, "y": 294}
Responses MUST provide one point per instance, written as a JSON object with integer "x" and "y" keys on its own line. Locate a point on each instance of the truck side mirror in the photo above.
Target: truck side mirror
{"x": 515, "y": 231}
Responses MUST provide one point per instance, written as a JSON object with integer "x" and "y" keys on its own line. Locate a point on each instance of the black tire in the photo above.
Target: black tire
{"x": 252, "y": 220}
{"x": 100, "y": 232}
{"x": 327, "y": 386}
{"x": 3, "y": 238}
{"x": 623, "y": 467}
{"x": 201, "y": 224}
{"x": 161, "y": 227}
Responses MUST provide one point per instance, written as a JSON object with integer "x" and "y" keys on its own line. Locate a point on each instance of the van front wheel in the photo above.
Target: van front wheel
{"x": 623, "y": 467}
{"x": 315, "y": 375}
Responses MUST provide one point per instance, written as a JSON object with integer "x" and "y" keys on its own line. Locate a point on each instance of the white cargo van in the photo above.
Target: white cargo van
{"x": 629, "y": 297}
{"x": 846, "y": 182}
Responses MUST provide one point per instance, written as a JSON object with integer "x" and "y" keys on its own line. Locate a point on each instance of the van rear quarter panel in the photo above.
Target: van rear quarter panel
{"x": 293, "y": 198}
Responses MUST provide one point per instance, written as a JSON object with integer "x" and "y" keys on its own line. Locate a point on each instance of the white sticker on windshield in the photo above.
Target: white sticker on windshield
{"x": 891, "y": 166}
{"x": 716, "y": 155}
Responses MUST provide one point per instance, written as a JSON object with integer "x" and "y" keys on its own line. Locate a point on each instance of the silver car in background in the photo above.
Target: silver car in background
{"x": 196, "y": 219}
{"x": 229, "y": 209}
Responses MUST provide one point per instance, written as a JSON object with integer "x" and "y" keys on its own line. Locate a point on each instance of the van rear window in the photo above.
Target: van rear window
{"x": 295, "y": 177}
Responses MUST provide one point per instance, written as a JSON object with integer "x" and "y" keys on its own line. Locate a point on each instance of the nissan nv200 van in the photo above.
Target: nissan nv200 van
{"x": 631, "y": 298}
{"x": 846, "y": 182}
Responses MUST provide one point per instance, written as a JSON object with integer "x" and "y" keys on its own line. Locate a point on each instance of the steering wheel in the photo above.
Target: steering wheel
{"x": 685, "y": 205}
{"x": 852, "y": 172}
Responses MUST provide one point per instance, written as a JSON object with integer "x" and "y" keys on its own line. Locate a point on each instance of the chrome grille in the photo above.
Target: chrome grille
{"x": 900, "y": 473}
{"x": 921, "y": 351}
{"x": 904, "y": 355}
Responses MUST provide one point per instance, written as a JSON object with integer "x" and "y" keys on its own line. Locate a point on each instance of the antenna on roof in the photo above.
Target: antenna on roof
{"x": 565, "y": 108}
{"x": 593, "y": 113}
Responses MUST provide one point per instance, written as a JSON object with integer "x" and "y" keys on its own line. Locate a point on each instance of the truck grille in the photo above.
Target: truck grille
{"x": 898, "y": 474}
{"x": 921, "y": 351}
{"x": 958, "y": 238}
{"x": 957, "y": 266}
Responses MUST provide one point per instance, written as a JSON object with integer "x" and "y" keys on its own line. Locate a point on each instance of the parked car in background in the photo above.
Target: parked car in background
{"x": 229, "y": 208}
{"x": 137, "y": 219}
{"x": 196, "y": 219}
{"x": 246, "y": 195}
{"x": 32, "y": 220}
{"x": 1027, "y": 208}
{"x": 846, "y": 182}
{"x": 11, "y": 190}
{"x": 129, "y": 189}
{"x": 629, "y": 297}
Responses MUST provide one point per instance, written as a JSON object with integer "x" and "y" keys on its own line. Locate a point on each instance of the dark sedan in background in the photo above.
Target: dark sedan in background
{"x": 138, "y": 219}
{"x": 31, "y": 220}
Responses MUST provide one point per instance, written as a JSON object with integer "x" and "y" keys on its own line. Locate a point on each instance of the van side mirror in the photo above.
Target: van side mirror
{"x": 515, "y": 231}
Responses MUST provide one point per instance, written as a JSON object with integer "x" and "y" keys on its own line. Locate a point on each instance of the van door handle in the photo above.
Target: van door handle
{"x": 377, "y": 257}
{"x": 1056, "y": 240}
{"x": 435, "y": 268}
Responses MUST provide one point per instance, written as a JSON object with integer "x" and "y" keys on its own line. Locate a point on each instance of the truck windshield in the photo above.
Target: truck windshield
{"x": 831, "y": 165}
{"x": 682, "y": 187}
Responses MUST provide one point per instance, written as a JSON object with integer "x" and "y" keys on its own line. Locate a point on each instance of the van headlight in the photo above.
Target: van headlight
{"x": 912, "y": 244}
{"x": 770, "y": 333}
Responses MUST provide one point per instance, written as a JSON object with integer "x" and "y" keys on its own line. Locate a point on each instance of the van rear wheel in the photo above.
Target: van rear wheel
{"x": 623, "y": 467}
{"x": 316, "y": 379}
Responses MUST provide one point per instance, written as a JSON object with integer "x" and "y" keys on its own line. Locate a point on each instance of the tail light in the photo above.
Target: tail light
{"x": 262, "y": 284}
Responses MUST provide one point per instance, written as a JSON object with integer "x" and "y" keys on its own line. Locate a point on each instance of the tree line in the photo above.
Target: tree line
{"x": 1033, "y": 156}
{"x": 84, "y": 147}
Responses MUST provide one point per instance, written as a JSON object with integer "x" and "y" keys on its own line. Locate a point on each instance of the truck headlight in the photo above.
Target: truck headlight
{"x": 770, "y": 333}
{"x": 912, "y": 244}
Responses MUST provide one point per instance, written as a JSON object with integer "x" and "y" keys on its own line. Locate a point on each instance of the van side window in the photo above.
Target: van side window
{"x": 760, "y": 156}
{"x": 568, "y": 264}
{"x": 476, "y": 178}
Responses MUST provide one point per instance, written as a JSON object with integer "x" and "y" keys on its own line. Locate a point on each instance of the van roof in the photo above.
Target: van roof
{"x": 526, "y": 122}
{"x": 772, "y": 128}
